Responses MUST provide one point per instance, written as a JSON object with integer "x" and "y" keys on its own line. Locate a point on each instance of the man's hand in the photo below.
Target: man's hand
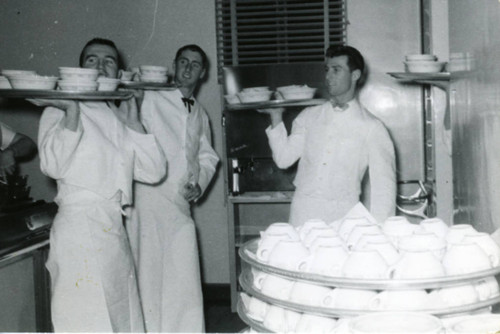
{"x": 7, "y": 162}
{"x": 69, "y": 106}
{"x": 191, "y": 192}
{"x": 128, "y": 113}
{"x": 276, "y": 115}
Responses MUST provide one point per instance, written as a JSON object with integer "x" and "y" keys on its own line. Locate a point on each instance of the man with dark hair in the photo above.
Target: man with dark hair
{"x": 94, "y": 150}
{"x": 106, "y": 42}
{"x": 161, "y": 231}
{"x": 337, "y": 143}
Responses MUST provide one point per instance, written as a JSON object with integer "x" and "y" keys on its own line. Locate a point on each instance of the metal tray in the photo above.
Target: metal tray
{"x": 247, "y": 254}
{"x": 148, "y": 85}
{"x": 256, "y": 325}
{"x": 246, "y": 280}
{"x": 275, "y": 104}
{"x": 67, "y": 95}
{"x": 420, "y": 76}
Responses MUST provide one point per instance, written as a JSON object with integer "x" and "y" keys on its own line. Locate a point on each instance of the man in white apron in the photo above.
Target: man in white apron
{"x": 94, "y": 150}
{"x": 337, "y": 143}
{"x": 161, "y": 231}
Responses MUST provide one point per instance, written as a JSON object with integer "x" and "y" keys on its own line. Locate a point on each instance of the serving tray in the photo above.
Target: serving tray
{"x": 148, "y": 85}
{"x": 420, "y": 76}
{"x": 247, "y": 254}
{"x": 275, "y": 104}
{"x": 68, "y": 95}
{"x": 246, "y": 279}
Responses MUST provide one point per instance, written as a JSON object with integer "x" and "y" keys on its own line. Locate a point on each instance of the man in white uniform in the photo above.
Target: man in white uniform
{"x": 337, "y": 143}
{"x": 161, "y": 231}
{"x": 13, "y": 146}
{"x": 94, "y": 150}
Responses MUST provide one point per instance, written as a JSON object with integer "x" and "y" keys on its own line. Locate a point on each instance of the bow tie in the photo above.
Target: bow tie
{"x": 339, "y": 106}
{"x": 188, "y": 103}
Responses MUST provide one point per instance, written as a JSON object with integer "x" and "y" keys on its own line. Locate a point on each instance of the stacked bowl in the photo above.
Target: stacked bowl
{"x": 78, "y": 79}
{"x": 152, "y": 73}
{"x": 423, "y": 63}
{"x": 296, "y": 92}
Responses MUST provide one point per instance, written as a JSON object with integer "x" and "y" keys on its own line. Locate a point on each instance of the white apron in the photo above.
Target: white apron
{"x": 165, "y": 249}
{"x": 93, "y": 281}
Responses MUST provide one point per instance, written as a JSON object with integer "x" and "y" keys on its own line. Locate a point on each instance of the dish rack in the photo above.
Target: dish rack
{"x": 250, "y": 263}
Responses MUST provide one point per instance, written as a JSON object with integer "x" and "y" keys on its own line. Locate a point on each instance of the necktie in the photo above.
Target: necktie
{"x": 188, "y": 103}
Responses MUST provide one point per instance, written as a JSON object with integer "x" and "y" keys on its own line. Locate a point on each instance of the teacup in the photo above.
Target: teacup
{"x": 396, "y": 227}
{"x": 359, "y": 231}
{"x": 484, "y": 323}
{"x": 267, "y": 243}
{"x": 308, "y": 294}
{"x": 317, "y": 232}
{"x": 417, "y": 264}
{"x": 487, "y": 288}
{"x": 454, "y": 296}
{"x": 395, "y": 322}
{"x": 386, "y": 249}
{"x": 366, "y": 238}
{"x": 464, "y": 258}
{"x": 257, "y": 309}
{"x": 310, "y": 323}
{"x": 290, "y": 255}
{"x": 292, "y": 319}
{"x": 328, "y": 260}
{"x": 276, "y": 287}
{"x": 401, "y": 300}
{"x": 257, "y": 278}
{"x": 365, "y": 264}
{"x": 456, "y": 233}
{"x": 423, "y": 240}
{"x": 487, "y": 244}
{"x": 308, "y": 225}
{"x": 126, "y": 75}
{"x": 282, "y": 228}
{"x": 434, "y": 225}
{"x": 349, "y": 299}
{"x": 348, "y": 224}
{"x": 275, "y": 319}
{"x": 326, "y": 241}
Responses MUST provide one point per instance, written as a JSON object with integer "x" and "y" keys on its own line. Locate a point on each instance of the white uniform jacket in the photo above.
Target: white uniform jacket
{"x": 161, "y": 231}
{"x": 335, "y": 149}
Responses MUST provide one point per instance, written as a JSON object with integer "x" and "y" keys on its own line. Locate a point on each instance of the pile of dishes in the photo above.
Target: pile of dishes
{"x": 423, "y": 63}
{"x": 153, "y": 73}
{"x": 296, "y": 92}
{"x": 356, "y": 266}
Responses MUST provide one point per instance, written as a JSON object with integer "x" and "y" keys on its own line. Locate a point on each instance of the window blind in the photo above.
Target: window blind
{"x": 251, "y": 32}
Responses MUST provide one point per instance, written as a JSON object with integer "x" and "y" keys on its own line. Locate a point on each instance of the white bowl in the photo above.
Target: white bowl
{"x": 232, "y": 99}
{"x": 255, "y": 96}
{"x": 485, "y": 323}
{"x": 395, "y": 322}
{"x": 78, "y": 73}
{"x": 4, "y": 83}
{"x": 33, "y": 82}
{"x": 77, "y": 86}
{"x": 420, "y": 57}
{"x": 296, "y": 92}
{"x": 107, "y": 84}
{"x": 153, "y": 70}
{"x": 423, "y": 66}
{"x": 8, "y": 73}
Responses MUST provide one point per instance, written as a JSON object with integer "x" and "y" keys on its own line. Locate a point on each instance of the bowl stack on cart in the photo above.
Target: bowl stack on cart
{"x": 357, "y": 276}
